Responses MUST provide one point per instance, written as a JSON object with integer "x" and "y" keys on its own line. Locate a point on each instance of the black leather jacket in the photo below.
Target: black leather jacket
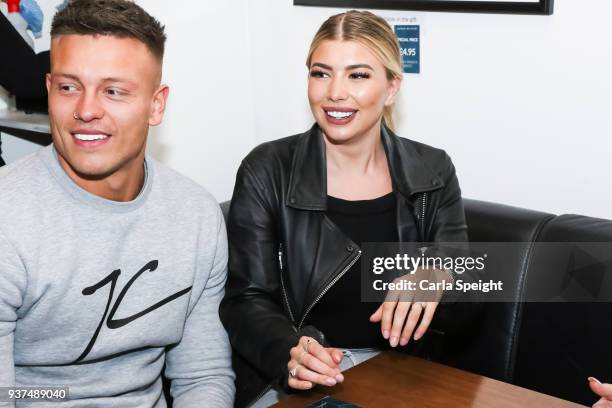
{"x": 285, "y": 252}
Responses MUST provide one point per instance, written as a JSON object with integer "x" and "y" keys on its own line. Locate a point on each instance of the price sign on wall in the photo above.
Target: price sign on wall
{"x": 409, "y": 37}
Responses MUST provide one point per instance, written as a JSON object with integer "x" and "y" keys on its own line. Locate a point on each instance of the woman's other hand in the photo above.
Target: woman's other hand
{"x": 312, "y": 363}
{"x": 604, "y": 391}
{"x": 399, "y": 319}
{"x": 402, "y": 309}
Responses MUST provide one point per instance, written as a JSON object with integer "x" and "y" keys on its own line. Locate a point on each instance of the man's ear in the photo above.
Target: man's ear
{"x": 48, "y": 82}
{"x": 158, "y": 105}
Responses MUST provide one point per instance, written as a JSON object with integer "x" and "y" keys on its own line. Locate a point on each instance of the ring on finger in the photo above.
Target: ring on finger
{"x": 293, "y": 371}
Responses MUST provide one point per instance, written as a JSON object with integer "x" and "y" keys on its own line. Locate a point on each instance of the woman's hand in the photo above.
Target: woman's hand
{"x": 604, "y": 391}
{"x": 401, "y": 311}
{"x": 399, "y": 320}
{"x": 312, "y": 363}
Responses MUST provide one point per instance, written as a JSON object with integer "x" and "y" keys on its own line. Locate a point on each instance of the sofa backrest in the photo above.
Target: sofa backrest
{"x": 563, "y": 343}
{"x": 491, "y": 346}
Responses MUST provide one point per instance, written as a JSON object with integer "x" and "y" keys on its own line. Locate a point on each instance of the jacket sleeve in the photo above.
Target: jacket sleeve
{"x": 449, "y": 226}
{"x": 252, "y": 311}
{"x": 12, "y": 289}
{"x": 449, "y": 221}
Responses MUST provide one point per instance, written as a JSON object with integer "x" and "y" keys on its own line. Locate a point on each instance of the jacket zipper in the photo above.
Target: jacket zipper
{"x": 328, "y": 287}
{"x": 423, "y": 249}
{"x": 424, "y": 204}
{"x": 285, "y": 297}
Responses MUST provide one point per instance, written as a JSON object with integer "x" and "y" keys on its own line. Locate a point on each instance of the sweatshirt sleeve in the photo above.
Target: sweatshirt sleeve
{"x": 199, "y": 367}
{"x": 12, "y": 289}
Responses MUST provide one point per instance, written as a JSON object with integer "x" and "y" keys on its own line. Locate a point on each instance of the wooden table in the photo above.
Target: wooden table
{"x": 393, "y": 379}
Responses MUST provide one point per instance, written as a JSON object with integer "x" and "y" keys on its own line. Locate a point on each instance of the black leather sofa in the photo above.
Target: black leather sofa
{"x": 550, "y": 347}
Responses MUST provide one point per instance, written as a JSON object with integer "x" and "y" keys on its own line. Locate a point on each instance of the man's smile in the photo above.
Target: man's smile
{"x": 90, "y": 137}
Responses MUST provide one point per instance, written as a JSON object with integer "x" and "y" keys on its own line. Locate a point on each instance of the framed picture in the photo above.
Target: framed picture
{"x": 500, "y": 6}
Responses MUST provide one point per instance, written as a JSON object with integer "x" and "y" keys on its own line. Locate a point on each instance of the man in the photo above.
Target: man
{"x": 111, "y": 264}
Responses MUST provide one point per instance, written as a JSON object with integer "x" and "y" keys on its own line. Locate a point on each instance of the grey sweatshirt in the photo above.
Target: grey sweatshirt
{"x": 97, "y": 295}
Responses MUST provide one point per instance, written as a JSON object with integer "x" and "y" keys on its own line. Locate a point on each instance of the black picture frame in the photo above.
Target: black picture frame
{"x": 544, "y": 7}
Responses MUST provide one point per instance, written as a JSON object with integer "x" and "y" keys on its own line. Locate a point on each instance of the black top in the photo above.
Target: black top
{"x": 340, "y": 314}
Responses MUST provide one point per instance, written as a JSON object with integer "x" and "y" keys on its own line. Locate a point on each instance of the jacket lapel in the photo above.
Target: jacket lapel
{"x": 308, "y": 180}
{"x": 410, "y": 173}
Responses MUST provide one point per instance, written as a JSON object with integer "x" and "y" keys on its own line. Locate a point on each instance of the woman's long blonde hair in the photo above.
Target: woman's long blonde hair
{"x": 371, "y": 31}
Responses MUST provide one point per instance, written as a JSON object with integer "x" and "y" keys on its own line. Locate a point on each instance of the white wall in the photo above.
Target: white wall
{"x": 521, "y": 103}
{"x": 208, "y": 126}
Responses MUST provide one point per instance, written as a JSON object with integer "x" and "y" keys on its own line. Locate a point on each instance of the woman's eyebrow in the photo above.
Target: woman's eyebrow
{"x": 321, "y": 65}
{"x": 358, "y": 66}
{"x": 348, "y": 67}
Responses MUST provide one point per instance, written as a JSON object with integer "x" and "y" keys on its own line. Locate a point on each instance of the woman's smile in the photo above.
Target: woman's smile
{"x": 339, "y": 115}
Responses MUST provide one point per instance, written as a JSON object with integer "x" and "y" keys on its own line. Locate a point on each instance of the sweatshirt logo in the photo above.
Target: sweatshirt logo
{"x": 111, "y": 322}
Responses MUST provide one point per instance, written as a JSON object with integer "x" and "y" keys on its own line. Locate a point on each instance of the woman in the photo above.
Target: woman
{"x": 303, "y": 205}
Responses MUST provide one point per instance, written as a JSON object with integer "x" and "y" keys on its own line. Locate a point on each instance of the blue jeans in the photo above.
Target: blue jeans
{"x": 352, "y": 357}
